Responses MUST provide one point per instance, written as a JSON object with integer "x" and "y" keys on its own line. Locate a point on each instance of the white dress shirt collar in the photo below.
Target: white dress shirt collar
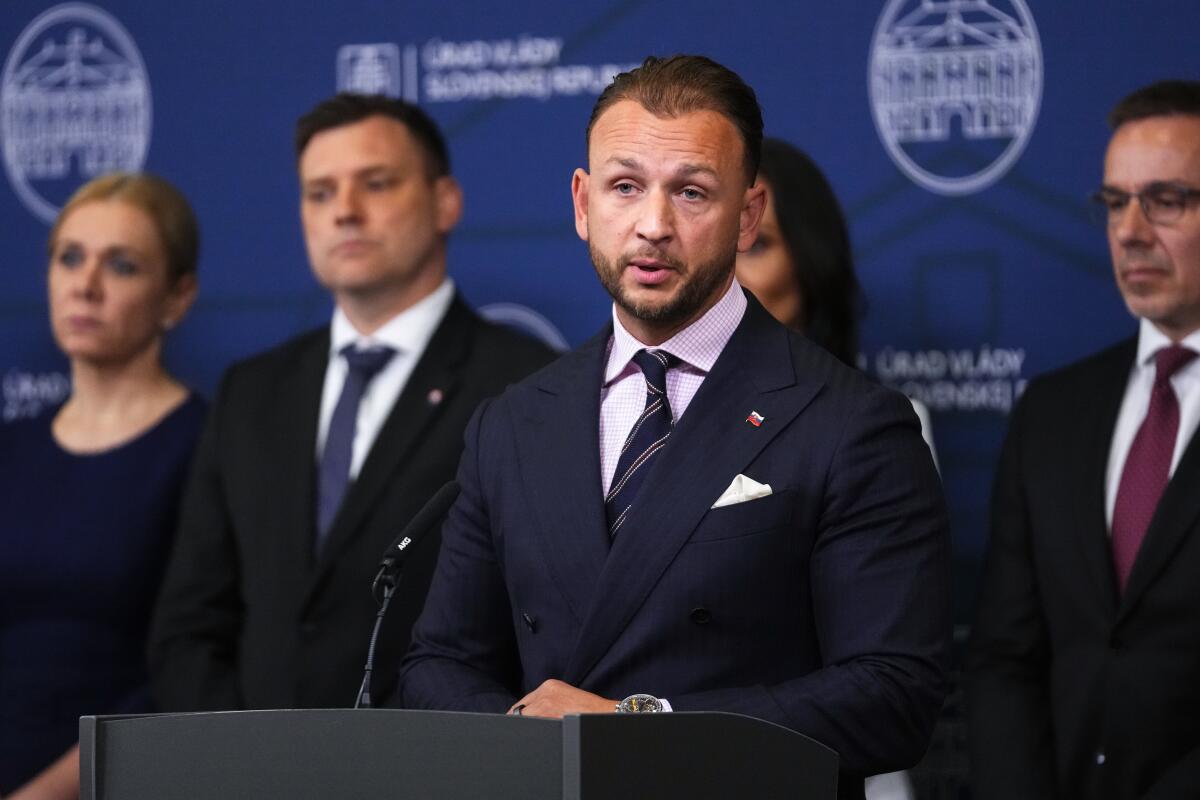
{"x": 407, "y": 332}
{"x": 1136, "y": 402}
{"x": 1151, "y": 340}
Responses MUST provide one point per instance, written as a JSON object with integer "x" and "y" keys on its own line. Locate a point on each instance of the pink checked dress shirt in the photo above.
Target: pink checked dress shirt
{"x": 623, "y": 395}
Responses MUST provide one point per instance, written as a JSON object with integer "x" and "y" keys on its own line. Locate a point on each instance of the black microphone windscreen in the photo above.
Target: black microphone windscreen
{"x": 426, "y": 519}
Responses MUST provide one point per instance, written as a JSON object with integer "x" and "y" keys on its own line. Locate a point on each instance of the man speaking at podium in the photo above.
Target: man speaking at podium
{"x": 697, "y": 510}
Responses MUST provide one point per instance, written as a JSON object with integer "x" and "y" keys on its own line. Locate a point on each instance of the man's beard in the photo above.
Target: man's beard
{"x": 694, "y": 292}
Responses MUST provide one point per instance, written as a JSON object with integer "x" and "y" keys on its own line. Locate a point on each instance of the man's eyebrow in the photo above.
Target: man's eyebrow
{"x": 363, "y": 172}
{"x": 684, "y": 171}
{"x": 374, "y": 169}
{"x": 628, "y": 163}
{"x": 687, "y": 170}
{"x": 1157, "y": 183}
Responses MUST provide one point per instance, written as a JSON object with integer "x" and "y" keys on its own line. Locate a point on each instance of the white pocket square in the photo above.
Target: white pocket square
{"x": 741, "y": 490}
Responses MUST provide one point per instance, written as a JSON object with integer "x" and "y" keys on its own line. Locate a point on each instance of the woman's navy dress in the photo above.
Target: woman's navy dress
{"x": 83, "y": 544}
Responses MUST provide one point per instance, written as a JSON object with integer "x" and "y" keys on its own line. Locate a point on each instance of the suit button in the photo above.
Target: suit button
{"x": 701, "y": 616}
{"x": 308, "y": 630}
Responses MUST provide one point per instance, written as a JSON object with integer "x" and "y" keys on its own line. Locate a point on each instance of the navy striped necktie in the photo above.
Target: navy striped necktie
{"x": 333, "y": 476}
{"x": 648, "y": 436}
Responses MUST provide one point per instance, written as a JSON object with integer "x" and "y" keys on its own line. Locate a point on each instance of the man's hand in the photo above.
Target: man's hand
{"x": 555, "y": 698}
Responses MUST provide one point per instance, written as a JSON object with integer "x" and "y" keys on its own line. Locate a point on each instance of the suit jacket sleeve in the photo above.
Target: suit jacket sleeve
{"x": 1008, "y": 662}
{"x": 194, "y": 634}
{"x": 880, "y": 584}
{"x": 463, "y": 655}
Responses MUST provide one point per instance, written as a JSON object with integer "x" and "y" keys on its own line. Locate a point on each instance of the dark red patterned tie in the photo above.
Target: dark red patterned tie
{"x": 1148, "y": 464}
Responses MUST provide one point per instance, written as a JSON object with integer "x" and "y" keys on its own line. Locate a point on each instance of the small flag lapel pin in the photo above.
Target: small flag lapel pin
{"x": 756, "y": 419}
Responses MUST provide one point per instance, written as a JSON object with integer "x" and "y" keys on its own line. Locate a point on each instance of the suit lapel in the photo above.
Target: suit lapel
{"x": 562, "y": 473}
{"x": 1173, "y": 520}
{"x": 711, "y": 444}
{"x": 409, "y": 422}
{"x": 1091, "y": 529}
{"x": 293, "y": 455}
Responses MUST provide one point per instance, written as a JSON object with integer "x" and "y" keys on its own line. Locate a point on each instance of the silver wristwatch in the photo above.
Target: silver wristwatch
{"x": 640, "y": 704}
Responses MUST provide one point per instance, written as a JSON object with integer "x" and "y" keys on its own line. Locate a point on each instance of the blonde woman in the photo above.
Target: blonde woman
{"x": 89, "y": 491}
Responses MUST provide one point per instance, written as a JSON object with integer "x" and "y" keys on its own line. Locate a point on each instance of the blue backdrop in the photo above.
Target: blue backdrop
{"x": 963, "y": 137}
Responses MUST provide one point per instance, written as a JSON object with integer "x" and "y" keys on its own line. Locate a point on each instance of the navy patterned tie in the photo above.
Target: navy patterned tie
{"x": 648, "y": 436}
{"x": 334, "y": 474}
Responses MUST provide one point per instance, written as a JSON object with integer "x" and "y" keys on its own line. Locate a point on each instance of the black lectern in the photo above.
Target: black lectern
{"x": 447, "y": 756}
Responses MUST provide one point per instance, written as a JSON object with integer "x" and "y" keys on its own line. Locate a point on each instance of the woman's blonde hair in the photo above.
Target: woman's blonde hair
{"x": 165, "y": 205}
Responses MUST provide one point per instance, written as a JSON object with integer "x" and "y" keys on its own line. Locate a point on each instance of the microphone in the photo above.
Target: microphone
{"x": 428, "y": 518}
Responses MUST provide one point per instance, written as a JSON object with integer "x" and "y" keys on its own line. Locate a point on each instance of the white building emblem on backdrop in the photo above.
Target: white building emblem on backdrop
{"x": 523, "y": 67}
{"x": 955, "y": 88}
{"x": 376, "y": 69}
{"x": 74, "y": 103}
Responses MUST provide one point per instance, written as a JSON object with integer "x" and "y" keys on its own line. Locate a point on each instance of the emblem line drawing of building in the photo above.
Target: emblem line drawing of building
{"x": 58, "y": 105}
{"x": 74, "y": 102}
{"x": 369, "y": 69}
{"x": 958, "y": 60}
{"x": 955, "y": 82}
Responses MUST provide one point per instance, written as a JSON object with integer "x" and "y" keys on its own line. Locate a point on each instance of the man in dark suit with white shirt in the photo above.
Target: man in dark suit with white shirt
{"x": 698, "y": 510}
{"x": 318, "y": 451}
{"x": 1086, "y": 648}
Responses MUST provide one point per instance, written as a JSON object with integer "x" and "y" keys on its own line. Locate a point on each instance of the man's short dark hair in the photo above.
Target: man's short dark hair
{"x": 346, "y": 108}
{"x": 670, "y": 87}
{"x": 1161, "y": 99}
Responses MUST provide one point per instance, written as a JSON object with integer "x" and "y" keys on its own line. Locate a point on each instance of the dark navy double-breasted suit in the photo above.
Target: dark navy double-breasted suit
{"x": 822, "y": 607}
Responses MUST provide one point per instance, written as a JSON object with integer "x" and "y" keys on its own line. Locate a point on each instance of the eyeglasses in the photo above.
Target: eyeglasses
{"x": 1163, "y": 203}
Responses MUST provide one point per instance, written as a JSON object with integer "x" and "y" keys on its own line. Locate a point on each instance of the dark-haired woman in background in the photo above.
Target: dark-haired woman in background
{"x": 802, "y": 271}
{"x": 89, "y": 491}
{"x": 800, "y": 267}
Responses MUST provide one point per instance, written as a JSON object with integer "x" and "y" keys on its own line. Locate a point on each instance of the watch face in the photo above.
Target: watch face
{"x": 641, "y": 704}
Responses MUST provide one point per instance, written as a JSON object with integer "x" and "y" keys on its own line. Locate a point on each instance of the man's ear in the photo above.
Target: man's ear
{"x": 754, "y": 203}
{"x": 449, "y": 198}
{"x": 579, "y": 195}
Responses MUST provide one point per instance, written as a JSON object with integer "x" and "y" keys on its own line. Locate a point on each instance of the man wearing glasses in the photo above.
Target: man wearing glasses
{"x": 1084, "y": 667}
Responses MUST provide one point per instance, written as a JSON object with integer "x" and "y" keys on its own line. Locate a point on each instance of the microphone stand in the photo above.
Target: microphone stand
{"x": 389, "y": 588}
{"x": 430, "y": 515}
